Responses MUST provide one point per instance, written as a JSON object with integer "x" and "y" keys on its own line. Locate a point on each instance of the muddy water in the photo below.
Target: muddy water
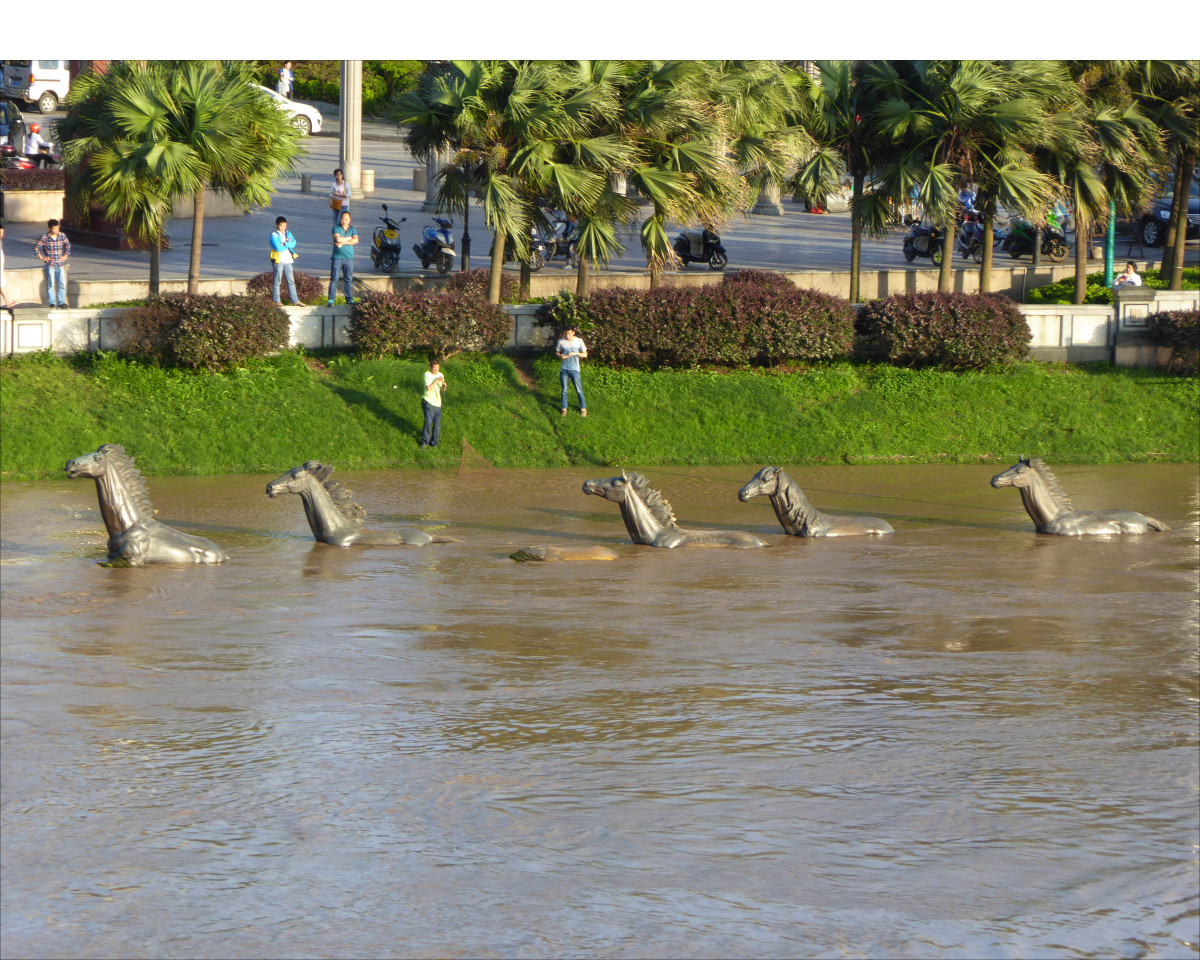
{"x": 963, "y": 740}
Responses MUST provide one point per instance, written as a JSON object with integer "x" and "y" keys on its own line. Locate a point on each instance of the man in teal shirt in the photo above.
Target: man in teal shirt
{"x": 341, "y": 264}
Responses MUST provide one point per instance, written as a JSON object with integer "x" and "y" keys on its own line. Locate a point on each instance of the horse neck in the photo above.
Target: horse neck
{"x": 792, "y": 508}
{"x": 324, "y": 518}
{"x": 117, "y": 504}
{"x": 639, "y": 521}
{"x": 1040, "y": 503}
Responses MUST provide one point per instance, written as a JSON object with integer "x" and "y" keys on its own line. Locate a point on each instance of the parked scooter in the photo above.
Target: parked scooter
{"x": 922, "y": 241}
{"x": 970, "y": 237}
{"x": 1020, "y": 240}
{"x": 437, "y": 246}
{"x": 538, "y": 251}
{"x": 701, "y": 246}
{"x": 563, "y": 243}
{"x": 13, "y": 160}
{"x": 385, "y": 244}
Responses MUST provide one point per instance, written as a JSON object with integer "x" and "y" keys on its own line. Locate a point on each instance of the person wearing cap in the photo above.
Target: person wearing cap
{"x": 34, "y": 144}
{"x": 571, "y": 349}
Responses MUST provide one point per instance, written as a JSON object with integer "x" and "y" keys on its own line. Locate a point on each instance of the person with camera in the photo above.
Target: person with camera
{"x": 283, "y": 255}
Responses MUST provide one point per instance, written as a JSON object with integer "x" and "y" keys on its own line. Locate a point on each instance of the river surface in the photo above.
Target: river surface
{"x": 963, "y": 740}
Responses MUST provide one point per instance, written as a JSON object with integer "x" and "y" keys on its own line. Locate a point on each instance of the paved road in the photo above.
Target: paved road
{"x": 237, "y": 246}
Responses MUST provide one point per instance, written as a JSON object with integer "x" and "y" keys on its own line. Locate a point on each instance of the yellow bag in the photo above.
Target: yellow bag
{"x": 335, "y": 203}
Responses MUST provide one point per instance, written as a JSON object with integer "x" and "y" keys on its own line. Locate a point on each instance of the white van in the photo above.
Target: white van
{"x": 44, "y": 82}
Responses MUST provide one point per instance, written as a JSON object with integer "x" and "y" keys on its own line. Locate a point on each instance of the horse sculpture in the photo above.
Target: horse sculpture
{"x": 651, "y": 521}
{"x": 333, "y": 516}
{"x": 134, "y": 536}
{"x": 1051, "y": 510}
{"x": 799, "y": 517}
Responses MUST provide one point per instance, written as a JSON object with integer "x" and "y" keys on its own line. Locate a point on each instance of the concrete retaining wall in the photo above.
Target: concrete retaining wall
{"x": 28, "y": 206}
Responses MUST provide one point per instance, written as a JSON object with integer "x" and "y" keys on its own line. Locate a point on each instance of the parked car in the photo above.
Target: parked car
{"x": 1152, "y": 229}
{"x": 12, "y": 125}
{"x": 42, "y": 82}
{"x": 306, "y": 118}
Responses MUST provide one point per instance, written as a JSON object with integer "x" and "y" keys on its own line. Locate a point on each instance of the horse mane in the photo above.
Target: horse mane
{"x": 655, "y": 502}
{"x": 1051, "y": 481}
{"x": 795, "y": 504}
{"x": 115, "y": 458}
{"x": 339, "y": 493}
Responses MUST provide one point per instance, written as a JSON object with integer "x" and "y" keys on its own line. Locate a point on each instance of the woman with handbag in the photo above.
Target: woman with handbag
{"x": 339, "y": 195}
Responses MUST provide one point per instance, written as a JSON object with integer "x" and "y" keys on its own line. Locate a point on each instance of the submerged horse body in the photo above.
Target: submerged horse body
{"x": 651, "y": 521}
{"x": 1051, "y": 511}
{"x": 134, "y": 536}
{"x": 799, "y": 517}
{"x": 333, "y": 516}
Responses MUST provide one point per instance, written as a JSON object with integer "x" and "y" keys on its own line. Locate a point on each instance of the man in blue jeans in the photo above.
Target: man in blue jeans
{"x": 571, "y": 349}
{"x": 431, "y": 406}
{"x": 283, "y": 254}
{"x": 342, "y": 263}
{"x": 53, "y": 250}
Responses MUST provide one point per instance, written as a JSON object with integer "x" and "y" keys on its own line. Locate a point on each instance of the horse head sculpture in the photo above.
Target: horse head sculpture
{"x": 799, "y": 517}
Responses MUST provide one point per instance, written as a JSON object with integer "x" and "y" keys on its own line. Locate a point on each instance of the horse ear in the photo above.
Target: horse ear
{"x": 311, "y": 465}
{"x": 624, "y": 475}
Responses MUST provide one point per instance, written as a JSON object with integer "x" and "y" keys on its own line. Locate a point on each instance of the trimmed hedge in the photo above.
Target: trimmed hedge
{"x": 204, "y": 332}
{"x": 441, "y": 323}
{"x": 1097, "y": 292}
{"x": 950, "y": 330}
{"x": 474, "y": 283}
{"x": 38, "y": 179}
{"x": 1179, "y": 330}
{"x": 312, "y": 290}
{"x": 735, "y": 323}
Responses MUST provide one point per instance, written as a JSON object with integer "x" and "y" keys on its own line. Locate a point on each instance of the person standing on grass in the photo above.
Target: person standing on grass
{"x": 431, "y": 404}
{"x": 53, "y": 250}
{"x": 571, "y": 349}
{"x": 283, "y": 254}
{"x": 342, "y": 263}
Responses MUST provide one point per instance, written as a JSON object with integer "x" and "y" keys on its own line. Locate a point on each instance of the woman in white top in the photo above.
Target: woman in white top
{"x": 340, "y": 191}
{"x": 1129, "y": 278}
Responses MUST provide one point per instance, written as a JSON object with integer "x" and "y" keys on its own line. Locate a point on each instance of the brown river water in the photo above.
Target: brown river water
{"x": 963, "y": 740}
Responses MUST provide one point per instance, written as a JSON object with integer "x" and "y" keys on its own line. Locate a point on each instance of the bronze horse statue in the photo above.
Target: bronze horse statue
{"x": 134, "y": 536}
{"x": 1051, "y": 510}
{"x": 651, "y": 521}
{"x": 799, "y": 517}
{"x": 333, "y": 516}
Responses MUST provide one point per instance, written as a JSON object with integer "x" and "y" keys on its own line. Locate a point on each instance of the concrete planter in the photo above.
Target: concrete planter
{"x": 30, "y": 206}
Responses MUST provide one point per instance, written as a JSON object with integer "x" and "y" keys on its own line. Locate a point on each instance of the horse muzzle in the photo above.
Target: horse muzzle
{"x": 1000, "y": 480}
{"x": 749, "y": 492}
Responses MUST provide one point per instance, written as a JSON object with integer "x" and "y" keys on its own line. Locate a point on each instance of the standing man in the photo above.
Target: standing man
{"x": 431, "y": 404}
{"x": 284, "y": 86}
{"x": 5, "y": 302}
{"x": 283, "y": 255}
{"x": 53, "y": 250}
{"x": 345, "y": 237}
{"x": 571, "y": 349}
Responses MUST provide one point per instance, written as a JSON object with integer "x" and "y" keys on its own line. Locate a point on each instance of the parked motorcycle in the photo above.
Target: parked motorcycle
{"x": 385, "y": 244}
{"x": 1020, "y": 240}
{"x": 437, "y": 246}
{"x": 970, "y": 237}
{"x": 702, "y": 246}
{"x": 13, "y": 160}
{"x": 563, "y": 243}
{"x": 539, "y": 252}
{"x": 922, "y": 241}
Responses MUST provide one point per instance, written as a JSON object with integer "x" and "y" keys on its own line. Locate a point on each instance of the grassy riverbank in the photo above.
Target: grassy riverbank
{"x": 365, "y": 414}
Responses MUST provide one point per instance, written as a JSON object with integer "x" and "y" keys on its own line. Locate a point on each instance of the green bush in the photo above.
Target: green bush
{"x": 35, "y": 179}
{"x": 312, "y": 290}
{"x": 758, "y": 278}
{"x": 1064, "y": 290}
{"x": 949, "y": 330}
{"x": 474, "y": 283}
{"x": 204, "y": 332}
{"x": 321, "y": 80}
{"x": 441, "y": 323}
{"x": 731, "y": 324}
{"x": 1179, "y": 330}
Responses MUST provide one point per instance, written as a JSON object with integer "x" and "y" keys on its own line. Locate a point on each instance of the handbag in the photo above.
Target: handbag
{"x": 335, "y": 203}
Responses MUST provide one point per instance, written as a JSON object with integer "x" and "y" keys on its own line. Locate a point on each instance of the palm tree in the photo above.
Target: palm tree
{"x": 955, "y": 122}
{"x": 176, "y": 128}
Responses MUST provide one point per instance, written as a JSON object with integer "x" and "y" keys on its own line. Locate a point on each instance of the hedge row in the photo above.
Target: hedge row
{"x": 203, "y": 331}
{"x": 440, "y": 323}
{"x": 1179, "y": 330}
{"x": 757, "y": 317}
{"x": 38, "y": 179}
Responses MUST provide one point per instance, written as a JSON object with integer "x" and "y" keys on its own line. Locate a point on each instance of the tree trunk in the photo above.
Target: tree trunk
{"x": 155, "y": 264}
{"x": 945, "y": 274}
{"x": 583, "y": 280}
{"x": 655, "y": 274}
{"x": 1189, "y": 164}
{"x": 197, "y": 235}
{"x": 497, "y": 270}
{"x": 1177, "y": 199}
{"x": 523, "y": 289}
{"x": 1083, "y": 229}
{"x": 985, "y": 269}
{"x": 856, "y": 237}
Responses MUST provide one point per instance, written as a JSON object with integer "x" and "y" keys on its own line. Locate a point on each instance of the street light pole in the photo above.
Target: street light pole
{"x": 350, "y": 135}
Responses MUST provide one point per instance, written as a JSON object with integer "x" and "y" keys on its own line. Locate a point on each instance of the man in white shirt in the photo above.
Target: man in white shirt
{"x": 431, "y": 404}
{"x": 571, "y": 349}
{"x": 34, "y": 144}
